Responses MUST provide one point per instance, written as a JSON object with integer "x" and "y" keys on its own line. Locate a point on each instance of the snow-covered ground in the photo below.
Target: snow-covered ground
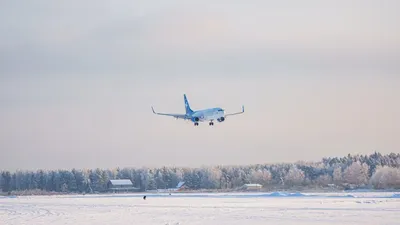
{"x": 205, "y": 209}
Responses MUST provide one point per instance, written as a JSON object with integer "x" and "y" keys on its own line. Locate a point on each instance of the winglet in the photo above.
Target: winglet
{"x": 236, "y": 113}
{"x": 153, "y": 110}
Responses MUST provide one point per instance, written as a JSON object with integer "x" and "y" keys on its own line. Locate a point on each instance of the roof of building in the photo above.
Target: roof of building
{"x": 121, "y": 182}
{"x": 180, "y": 184}
{"x": 253, "y": 185}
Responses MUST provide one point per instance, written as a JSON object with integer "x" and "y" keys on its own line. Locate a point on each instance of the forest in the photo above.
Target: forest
{"x": 374, "y": 171}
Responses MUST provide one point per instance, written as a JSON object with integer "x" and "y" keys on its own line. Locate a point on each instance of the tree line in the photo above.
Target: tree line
{"x": 352, "y": 171}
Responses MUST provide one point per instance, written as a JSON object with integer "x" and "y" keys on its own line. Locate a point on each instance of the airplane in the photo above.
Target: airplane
{"x": 204, "y": 115}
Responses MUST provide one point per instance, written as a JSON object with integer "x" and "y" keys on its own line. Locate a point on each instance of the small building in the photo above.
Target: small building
{"x": 252, "y": 187}
{"x": 180, "y": 186}
{"x": 121, "y": 185}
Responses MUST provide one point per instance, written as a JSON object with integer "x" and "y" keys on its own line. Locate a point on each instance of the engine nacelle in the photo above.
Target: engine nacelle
{"x": 222, "y": 119}
{"x": 195, "y": 119}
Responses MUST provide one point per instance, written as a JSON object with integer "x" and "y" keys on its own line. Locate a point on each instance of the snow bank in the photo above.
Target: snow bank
{"x": 11, "y": 196}
{"x": 396, "y": 196}
{"x": 233, "y": 195}
{"x": 284, "y": 194}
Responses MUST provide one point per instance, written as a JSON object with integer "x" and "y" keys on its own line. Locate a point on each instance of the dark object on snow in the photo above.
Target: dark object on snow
{"x": 144, "y": 197}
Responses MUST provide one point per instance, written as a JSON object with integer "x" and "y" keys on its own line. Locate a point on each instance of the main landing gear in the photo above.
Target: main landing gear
{"x": 197, "y": 124}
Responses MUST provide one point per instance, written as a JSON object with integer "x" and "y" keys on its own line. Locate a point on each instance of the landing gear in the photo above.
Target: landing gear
{"x": 196, "y": 124}
{"x": 211, "y": 123}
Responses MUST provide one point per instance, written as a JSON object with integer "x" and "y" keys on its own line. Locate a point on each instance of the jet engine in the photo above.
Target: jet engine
{"x": 222, "y": 119}
{"x": 195, "y": 119}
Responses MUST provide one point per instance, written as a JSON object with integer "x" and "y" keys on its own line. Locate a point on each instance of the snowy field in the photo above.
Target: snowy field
{"x": 205, "y": 209}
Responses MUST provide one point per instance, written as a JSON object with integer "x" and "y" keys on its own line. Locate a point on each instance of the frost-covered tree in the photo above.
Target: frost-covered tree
{"x": 294, "y": 176}
{"x": 260, "y": 176}
{"x": 386, "y": 177}
{"x": 192, "y": 178}
{"x": 1, "y": 181}
{"x": 56, "y": 181}
{"x": 81, "y": 180}
{"x": 104, "y": 178}
{"x": 159, "y": 179}
{"x": 42, "y": 179}
{"x": 209, "y": 178}
{"x": 239, "y": 178}
{"x": 151, "y": 182}
{"x": 356, "y": 174}
{"x": 357, "y": 170}
{"x": 324, "y": 180}
{"x": 5, "y": 181}
{"x": 337, "y": 175}
{"x": 96, "y": 183}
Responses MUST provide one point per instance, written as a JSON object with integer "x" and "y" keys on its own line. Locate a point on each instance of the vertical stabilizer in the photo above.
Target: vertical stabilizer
{"x": 187, "y": 106}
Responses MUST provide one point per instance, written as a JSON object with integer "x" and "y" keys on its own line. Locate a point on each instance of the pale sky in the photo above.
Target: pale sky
{"x": 78, "y": 78}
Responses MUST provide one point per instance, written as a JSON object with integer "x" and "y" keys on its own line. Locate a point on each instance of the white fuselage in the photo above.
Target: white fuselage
{"x": 209, "y": 114}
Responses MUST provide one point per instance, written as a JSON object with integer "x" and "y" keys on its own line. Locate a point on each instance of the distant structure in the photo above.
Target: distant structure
{"x": 252, "y": 187}
{"x": 179, "y": 187}
{"x": 122, "y": 185}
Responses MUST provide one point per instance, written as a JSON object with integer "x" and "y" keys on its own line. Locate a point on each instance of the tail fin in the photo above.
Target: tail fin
{"x": 187, "y": 106}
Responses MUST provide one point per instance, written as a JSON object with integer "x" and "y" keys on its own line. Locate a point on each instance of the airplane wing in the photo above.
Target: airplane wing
{"x": 232, "y": 114}
{"x": 177, "y": 116}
